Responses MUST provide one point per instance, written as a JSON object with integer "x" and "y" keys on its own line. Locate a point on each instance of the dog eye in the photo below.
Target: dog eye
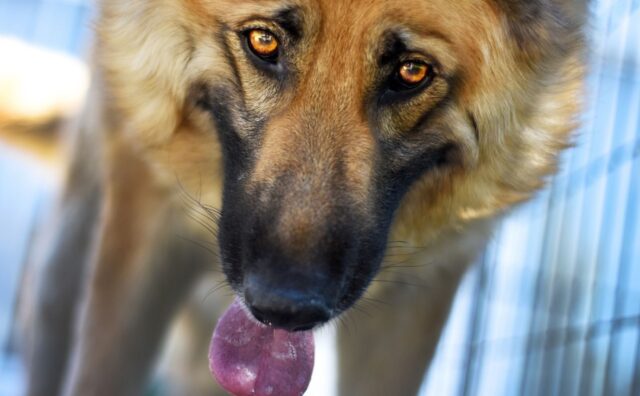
{"x": 263, "y": 44}
{"x": 412, "y": 74}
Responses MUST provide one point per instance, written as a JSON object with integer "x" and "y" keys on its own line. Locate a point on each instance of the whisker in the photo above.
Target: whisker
{"x": 374, "y": 301}
{"x": 201, "y": 245}
{"x": 361, "y": 309}
{"x": 399, "y": 282}
{"x": 209, "y": 212}
{"x": 208, "y": 227}
{"x": 221, "y": 284}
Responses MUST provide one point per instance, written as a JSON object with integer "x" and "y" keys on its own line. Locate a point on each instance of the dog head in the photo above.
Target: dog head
{"x": 341, "y": 123}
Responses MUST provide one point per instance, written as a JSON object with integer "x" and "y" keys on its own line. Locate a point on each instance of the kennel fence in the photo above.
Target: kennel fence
{"x": 552, "y": 307}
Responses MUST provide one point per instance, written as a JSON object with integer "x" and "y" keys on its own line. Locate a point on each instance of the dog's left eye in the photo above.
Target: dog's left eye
{"x": 412, "y": 74}
{"x": 263, "y": 44}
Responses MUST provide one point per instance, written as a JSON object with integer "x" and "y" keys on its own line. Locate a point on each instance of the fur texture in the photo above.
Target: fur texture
{"x": 313, "y": 170}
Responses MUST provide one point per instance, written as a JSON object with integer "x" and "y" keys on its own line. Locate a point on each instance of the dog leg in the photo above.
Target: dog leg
{"x": 58, "y": 283}
{"x": 386, "y": 350}
{"x": 56, "y": 297}
{"x": 142, "y": 271}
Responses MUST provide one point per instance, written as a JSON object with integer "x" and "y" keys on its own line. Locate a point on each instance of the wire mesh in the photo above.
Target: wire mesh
{"x": 553, "y": 306}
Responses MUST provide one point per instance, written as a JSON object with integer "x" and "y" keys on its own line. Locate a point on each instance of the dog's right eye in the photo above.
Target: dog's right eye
{"x": 413, "y": 74}
{"x": 263, "y": 44}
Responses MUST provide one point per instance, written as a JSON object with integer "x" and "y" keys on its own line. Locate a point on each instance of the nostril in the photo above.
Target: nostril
{"x": 259, "y": 315}
{"x": 292, "y": 317}
{"x": 293, "y": 311}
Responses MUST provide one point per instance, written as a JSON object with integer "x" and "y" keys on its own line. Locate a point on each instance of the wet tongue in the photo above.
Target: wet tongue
{"x": 249, "y": 358}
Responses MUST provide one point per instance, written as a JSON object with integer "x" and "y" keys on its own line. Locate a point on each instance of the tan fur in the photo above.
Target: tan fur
{"x": 514, "y": 106}
{"x": 488, "y": 188}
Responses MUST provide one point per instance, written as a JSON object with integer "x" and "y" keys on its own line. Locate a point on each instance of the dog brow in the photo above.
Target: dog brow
{"x": 393, "y": 47}
{"x": 398, "y": 40}
{"x": 290, "y": 19}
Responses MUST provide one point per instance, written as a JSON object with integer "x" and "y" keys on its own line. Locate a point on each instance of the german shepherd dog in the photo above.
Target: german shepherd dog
{"x": 309, "y": 154}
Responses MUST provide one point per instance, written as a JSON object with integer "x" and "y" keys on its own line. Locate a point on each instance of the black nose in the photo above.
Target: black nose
{"x": 286, "y": 308}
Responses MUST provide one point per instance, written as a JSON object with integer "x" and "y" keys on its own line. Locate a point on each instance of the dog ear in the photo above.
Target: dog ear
{"x": 522, "y": 9}
{"x": 530, "y": 10}
{"x": 541, "y": 26}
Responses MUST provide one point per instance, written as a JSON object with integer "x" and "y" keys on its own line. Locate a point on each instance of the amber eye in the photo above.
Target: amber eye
{"x": 412, "y": 73}
{"x": 263, "y": 43}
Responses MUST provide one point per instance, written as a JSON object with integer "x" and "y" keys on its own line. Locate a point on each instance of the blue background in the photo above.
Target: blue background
{"x": 553, "y": 306}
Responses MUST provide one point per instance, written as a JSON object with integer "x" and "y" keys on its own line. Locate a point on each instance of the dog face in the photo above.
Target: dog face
{"x": 342, "y": 121}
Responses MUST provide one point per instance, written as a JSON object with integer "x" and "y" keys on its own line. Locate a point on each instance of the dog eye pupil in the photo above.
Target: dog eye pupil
{"x": 263, "y": 43}
{"x": 413, "y": 72}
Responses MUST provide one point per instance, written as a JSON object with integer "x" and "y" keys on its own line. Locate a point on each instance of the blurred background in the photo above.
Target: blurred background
{"x": 553, "y": 306}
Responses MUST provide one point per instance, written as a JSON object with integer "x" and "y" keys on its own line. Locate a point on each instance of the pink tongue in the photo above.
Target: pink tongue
{"x": 249, "y": 358}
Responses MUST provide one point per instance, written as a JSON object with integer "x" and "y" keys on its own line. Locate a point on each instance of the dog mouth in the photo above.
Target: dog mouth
{"x": 248, "y": 357}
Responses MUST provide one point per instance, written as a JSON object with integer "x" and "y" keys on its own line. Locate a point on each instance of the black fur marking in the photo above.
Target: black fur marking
{"x": 428, "y": 115}
{"x": 219, "y": 102}
{"x": 396, "y": 179}
{"x": 231, "y": 60}
{"x": 392, "y": 183}
{"x": 393, "y": 47}
{"x": 290, "y": 19}
{"x": 336, "y": 265}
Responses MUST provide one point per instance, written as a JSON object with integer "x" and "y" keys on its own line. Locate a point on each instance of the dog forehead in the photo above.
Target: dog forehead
{"x": 356, "y": 14}
{"x": 359, "y": 27}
